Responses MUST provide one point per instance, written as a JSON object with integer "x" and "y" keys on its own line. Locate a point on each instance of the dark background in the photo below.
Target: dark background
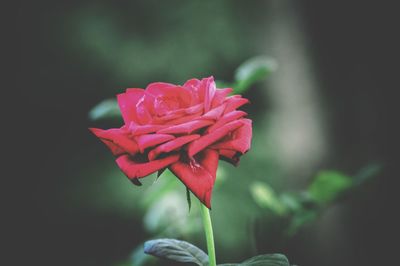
{"x": 70, "y": 55}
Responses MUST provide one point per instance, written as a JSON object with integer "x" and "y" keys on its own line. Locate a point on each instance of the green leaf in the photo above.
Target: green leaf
{"x": 266, "y": 197}
{"x": 251, "y": 71}
{"x": 263, "y": 260}
{"x": 329, "y": 185}
{"x": 105, "y": 109}
{"x": 176, "y": 250}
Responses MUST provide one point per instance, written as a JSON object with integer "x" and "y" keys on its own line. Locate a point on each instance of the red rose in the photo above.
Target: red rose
{"x": 184, "y": 128}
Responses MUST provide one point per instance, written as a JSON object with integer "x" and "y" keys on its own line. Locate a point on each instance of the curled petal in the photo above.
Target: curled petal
{"x": 186, "y": 128}
{"x": 207, "y": 91}
{"x": 127, "y": 104}
{"x": 215, "y": 113}
{"x": 157, "y": 88}
{"x": 150, "y": 140}
{"x": 136, "y": 168}
{"x": 198, "y": 174}
{"x": 143, "y": 115}
{"x": 117, "y": 140}
{"x": 219, "y": 96}
{"x": 206, "y": 140}
{"x": 240, "y": 139}
{"x": 229, "y": 117}
{"x": 171, "y": 145}
{"x": 234, "y": 102}
{"x": 191, "y": 83}
{"x": 192, "y": 86}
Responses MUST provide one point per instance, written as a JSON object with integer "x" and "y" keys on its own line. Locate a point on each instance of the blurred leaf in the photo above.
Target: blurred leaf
{"x": 266, "y": 197}
{"x": 299, "y": 219}
{"x": 176, "y": 250}
{"x": 291, "y": 202}
{"x": 168, "y": 213}
{"x": 162, "y": 185}
{"x": 367, "y": 173}
{"x": 105, "y": 109}
{"x": 263, "y": 260}
{"x": 251, "y": 71}
{"x": 328, "y": 185}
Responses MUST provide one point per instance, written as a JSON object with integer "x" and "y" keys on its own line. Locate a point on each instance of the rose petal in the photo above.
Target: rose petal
{"x": 116, "y": 140}
{"x": 150, "y": 140}
{"x": 198, "y": 174}
{"x": 165, "y": 94}
{"x": 136, "y": 169}
{"x": 127, "y": 104}
{"x": 143, "y": 129}
{"x": 219, "y": 96}
{"x": 114, "y": 148}
{"x": 240, "y": 139}
{"x": 192, "y": 86}
{"x": 234, "y": 115}
{"x": 191, "y": 83}
{"x": 184, "y": 119}
{"x": 172, "y": 145}
{"x": 206, "y": 140}
{"x": 194, "y": 109}
{"x": 215, "y": 113}
{"x": 207, "y": 91}
{"x": 234, "y": 102}
{"x": 230, "y": 156}
{"x": 143, "y": 115}
{"x": 186, "y": 128}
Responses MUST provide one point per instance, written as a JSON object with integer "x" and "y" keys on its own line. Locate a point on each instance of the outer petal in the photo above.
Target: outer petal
{"x": 240, "y": 139}
{"x": 198, "y": 174}
{"x": 219, "y": 96}
{"x": 229, "y": 117}
{"x": 127, "y": 104}
{"x": 234, "y": 102}
{"x": 215, "y": 113}
{"x": 117, "y": 140}
{"x": 172, "y": 145}
{"x": 136, "y": 169}
{"x": 186, "y": 128}
{"x": 143, "y": 129}
{"x": 150, "y": 140}
{"x": 206, "y": 140}
{"x": 230, "y": 156}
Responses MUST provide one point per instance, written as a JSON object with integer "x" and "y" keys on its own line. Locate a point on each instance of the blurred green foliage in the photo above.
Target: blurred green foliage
{"x": 303, "y": 207}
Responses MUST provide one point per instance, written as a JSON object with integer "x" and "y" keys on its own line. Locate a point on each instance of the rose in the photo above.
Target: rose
{"x": 184, "y": 128}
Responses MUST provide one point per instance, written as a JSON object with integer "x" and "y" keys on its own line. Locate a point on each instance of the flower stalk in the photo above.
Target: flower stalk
{"x": 205, "y": 215}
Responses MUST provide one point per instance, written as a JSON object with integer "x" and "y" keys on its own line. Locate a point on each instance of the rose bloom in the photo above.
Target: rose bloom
{"x": 186, "y": 129}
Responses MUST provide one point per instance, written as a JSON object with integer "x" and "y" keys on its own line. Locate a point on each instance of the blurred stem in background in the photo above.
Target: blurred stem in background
{"x": 205, "y": 215}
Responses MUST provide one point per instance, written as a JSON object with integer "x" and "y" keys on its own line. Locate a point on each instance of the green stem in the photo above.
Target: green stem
{"x": 205, "y": 215}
